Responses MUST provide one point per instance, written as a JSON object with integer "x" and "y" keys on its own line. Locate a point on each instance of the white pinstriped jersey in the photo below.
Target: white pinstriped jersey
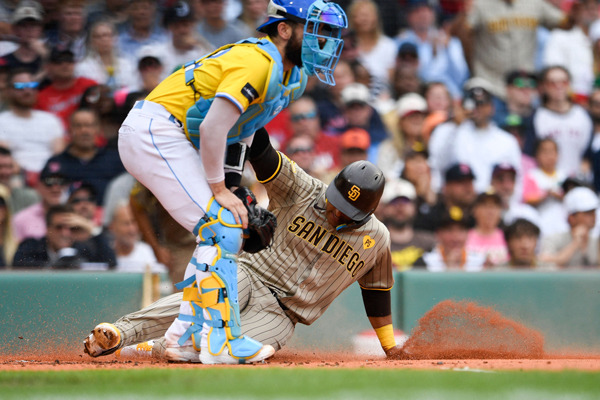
{"x": 337, "y": 259}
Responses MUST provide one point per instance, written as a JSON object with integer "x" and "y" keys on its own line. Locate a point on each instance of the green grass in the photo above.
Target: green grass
{"x": 296, "y": 383}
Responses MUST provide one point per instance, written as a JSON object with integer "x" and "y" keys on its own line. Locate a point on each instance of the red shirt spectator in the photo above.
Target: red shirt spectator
{"x": 63, "y": 95}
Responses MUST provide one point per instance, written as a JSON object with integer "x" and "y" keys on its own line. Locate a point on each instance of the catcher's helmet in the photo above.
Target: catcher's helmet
{"x": 356, "y": 190}
{"x": 323, "y": 23}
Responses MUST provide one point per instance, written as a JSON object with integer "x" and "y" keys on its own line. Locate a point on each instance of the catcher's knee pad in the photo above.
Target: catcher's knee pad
{"x": 218, "y": 226}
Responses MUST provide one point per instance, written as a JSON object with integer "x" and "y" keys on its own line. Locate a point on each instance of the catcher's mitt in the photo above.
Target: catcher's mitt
{"x": 261, "y": 222}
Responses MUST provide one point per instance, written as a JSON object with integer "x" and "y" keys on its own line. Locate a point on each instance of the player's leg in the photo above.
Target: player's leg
{"x": 162, "y": 160}
{"x": 148, "y": 323}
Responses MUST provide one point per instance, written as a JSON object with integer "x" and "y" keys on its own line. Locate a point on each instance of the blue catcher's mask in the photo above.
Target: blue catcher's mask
{"x": 322, "y": 44}
{"x": 323, "y": 23}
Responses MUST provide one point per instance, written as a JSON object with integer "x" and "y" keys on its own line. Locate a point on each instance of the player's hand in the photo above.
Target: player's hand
{"x": 396, "y": 353}
{"x": 231, "y": 202}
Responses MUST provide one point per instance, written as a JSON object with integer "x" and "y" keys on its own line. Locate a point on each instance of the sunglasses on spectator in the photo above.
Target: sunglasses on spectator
{"x": 295, "y": 150}
{"x": 301, "y": 116}
{"x": 53, "y": 180}
{"x": 25, "y": 85}
{"x": 524, "y": 83}
{"x": 62, "y": 227}
{"x": 78, "y": 200}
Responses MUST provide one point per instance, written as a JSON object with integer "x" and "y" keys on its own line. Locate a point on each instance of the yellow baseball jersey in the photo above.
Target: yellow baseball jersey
{"x": 239, "y": 73}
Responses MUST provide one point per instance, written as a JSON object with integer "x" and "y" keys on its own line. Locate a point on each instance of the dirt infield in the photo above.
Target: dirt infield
{"x": 452, "y": 335}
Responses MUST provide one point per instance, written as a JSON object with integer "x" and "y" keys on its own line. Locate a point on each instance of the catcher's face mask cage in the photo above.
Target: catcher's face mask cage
{"x": 322, "y": 44}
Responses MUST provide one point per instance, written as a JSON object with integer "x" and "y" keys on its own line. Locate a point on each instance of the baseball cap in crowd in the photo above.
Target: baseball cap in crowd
{"x": 408, "y": 49}
{"x": 355, "y": 138}
{"x": 453, "y": 216}
{"x": 148, "y": 56}
{"x": 31, "y": 10}
{"x": 488, "y": 195}
{"x": 356, "y": 93}
{"x": 521, "y": 79}
{"x": 78, "y": 186}
{"x": 58, "y": 55}
{"x": 53, "y": 174}
{"x": 459, "y": 172}
{"x": 580, "y": 199}
{"x": 503, "y": 167}
{"x": 418, "y": 149}
{"x": 476, "y": 96}
{"x": 178, "y": 12}
{"x": 398, "y": 188}
{"x": 410, "y": 103}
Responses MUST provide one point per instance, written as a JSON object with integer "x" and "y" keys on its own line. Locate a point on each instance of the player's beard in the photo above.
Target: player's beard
{"x": 293, "y": 50}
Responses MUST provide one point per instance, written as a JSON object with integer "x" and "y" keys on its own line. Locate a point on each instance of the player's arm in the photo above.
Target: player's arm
{"x": 378, "y": 306}
{"x": 221, "y": 117}
{"x": 264, "y": 158}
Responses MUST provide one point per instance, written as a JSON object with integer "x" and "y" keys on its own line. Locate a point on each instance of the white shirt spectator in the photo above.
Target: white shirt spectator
{"x": 481, "y": 149}
{"x": 124, "y": 75}
{"x": 572, "y": 49}
{"x": 32, "y": 140}
{"x": 136, "y": 261}
{"x": 572, "y": 132}
{"x": 440, "y": 152}
{"x": 434, "y": 260}
{"x": 380, "y": 59}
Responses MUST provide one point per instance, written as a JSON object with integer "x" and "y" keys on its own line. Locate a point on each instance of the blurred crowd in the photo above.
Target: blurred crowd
{"x": 483, "y": 114}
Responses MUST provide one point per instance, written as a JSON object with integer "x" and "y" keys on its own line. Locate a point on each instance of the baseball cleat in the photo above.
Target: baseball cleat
{"x": 104, "y": 339}
{"x": 141, "y": 350}
{"x": 182, "y": 354}
{"x": 225, "y": 358}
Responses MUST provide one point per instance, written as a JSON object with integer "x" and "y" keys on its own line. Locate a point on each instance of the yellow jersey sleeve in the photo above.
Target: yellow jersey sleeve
{"x": 238, "y": 73}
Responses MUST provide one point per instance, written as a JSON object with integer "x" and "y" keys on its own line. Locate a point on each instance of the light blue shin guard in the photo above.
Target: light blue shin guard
{"x": 217, "y": 294}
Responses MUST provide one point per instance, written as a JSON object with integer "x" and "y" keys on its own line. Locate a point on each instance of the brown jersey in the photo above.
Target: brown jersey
{"x": 335, "y": 259}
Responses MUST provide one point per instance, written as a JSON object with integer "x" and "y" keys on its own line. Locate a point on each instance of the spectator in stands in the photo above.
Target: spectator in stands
{"x": 33, "y": 136}
{"x": 397, "y": 211}
{"x": 440, "y": 107}
{"x": 8, "y": 243}
{"x": 103, "y": 63}
{"x": 406, "y": 80}
{"x": 522, "y": 238}
{"x": 141, "y": 28}
{"x": 185, "y": 44}
{"x": 19, "y": 195}
{"x": 62, "y": 96}
{"x": 521, "y": 95}
{"x": 97, "y": 249}
{"x": 133, "y": 255}
{"x": 51, "y": 187}
{"x": 27, "y": 26}
{"x": 500, "y": 36}
{"x": 406, "y": 133}
{"x": 451, "y": 252}
{"x": 254, "y": 13}
{"x": 567, "y": 123}
{"x": 478, "y": 141}
{"x": 376, "y": 51}
{"x": 354, "y": 146}
{"x": 304, "y": 120}
{"x": 457, "y": 196}
{"x": 331, "y": 107}
{"x": 358, "y": 112}
{"x": 57, "y": 248}
{"x": 440, "y": 56}
{"x": 417, "y": 171}
{"x": 572, "y": 48}
{"x": 542, "y": 188}
{"x": 486, "y": 238}
{"x": 82, "y": 160}
{"x": 69, "y": 33}
{"x": 215, "y": 28}
{"x": 301, "y": 150}
{"x": 579, "y": 246}
{"x": 100, "y": 99}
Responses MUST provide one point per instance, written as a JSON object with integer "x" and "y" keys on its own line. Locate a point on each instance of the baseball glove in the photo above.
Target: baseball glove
{"x": 261, "y": 222}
